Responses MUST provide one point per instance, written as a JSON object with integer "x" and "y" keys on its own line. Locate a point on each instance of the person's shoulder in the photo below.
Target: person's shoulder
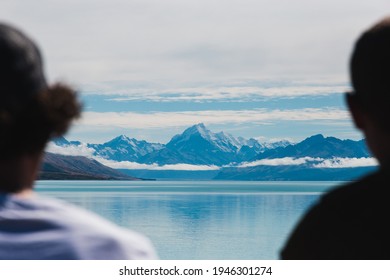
{"x": 327, "y": 228}
{"x": 365, "y": 188}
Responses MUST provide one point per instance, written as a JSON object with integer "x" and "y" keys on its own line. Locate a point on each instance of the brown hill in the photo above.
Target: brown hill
{"x": 60, "y": 167}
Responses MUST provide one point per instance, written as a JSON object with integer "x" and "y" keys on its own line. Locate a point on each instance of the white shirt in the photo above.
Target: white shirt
{"x": 45, "y": 228}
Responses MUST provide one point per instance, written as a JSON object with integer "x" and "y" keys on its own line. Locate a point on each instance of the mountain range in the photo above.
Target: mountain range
{"x": 230, "y": 156}
{"x": 319, "y": 146}
{"x": 196, "y": 145}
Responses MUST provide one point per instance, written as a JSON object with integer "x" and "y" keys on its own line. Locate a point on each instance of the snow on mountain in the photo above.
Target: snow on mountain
{"x": 123, "y": 148}
{"x": 222, "y": 141}
{"x": 276, "y": 144}
{"x": 199, "y": 145}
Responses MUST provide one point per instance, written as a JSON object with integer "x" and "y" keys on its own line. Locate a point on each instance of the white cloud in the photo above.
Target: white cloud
{"x": 134, "y": 165}
{"x": 336, "y": 162}
{"x": 72, "y": 150}
{"x": 310, "y": 161}
{"x": 346, "y": 162}
{"x": 83, "y": 150}
{"x": 188, "y": 118}
{"x": 270, "y": 141}
{"x": 279, "y": 161}
{"x": 189, "y": 40}
{"x": 242, "y": 93}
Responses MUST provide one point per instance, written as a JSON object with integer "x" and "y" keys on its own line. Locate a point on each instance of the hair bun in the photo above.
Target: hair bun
{"x": 61, "y": 106}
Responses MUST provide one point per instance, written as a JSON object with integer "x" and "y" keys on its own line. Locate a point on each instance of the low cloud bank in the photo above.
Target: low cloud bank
{"x": 346, "y": 162}
{"x": 71, "y": 150}
{"x": 335, "y": 162}
{"x": 154, "y": 166}
{"x": 278, "y": 161}
{"x": 83, "y": 150}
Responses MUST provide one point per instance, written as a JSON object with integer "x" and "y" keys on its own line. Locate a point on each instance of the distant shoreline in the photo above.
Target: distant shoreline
{"x": 44, "y": 176}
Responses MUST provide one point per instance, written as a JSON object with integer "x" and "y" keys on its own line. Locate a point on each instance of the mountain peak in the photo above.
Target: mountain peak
{"x": 316, "y": 136}
{"x": 119, "y": 140}
{"x": 199, "y": 128}
{"x": 121, "y": 137}
{"x": 200, "y": 125}
{"x": 318, "y": 141}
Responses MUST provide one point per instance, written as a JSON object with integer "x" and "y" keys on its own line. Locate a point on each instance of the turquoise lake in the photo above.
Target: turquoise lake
{"x": 203, "y": 220}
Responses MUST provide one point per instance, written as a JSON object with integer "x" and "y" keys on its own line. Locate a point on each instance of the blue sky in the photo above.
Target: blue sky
{"x": 149, "y": 69}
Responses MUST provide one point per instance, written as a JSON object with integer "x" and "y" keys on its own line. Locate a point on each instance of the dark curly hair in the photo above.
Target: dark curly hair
{"x": 31, "y": 112}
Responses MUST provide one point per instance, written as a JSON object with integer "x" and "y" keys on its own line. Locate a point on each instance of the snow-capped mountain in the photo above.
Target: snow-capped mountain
{"x": 198, "y": 145}
{"x": 276, "y": 144}
{"x": 220, "y": 141}
{"x": 336, "y": 152}
{"x": 123, "y": 148}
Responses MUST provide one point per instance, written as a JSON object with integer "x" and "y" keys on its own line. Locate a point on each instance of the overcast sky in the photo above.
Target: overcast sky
{"x": 268, "y": 69}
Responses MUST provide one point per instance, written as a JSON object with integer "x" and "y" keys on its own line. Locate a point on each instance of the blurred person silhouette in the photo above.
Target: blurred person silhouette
{"x": 350, "y": 222}
{"x": 31, "y": 113}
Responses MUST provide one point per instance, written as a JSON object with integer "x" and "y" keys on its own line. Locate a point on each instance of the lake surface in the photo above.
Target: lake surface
{"x": 198, "y": 220}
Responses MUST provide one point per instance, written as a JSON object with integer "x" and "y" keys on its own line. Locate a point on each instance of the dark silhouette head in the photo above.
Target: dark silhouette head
{"x": 369, "y": 103}
{"x": 370, "y": 72}
{"x": 31, "y": 111}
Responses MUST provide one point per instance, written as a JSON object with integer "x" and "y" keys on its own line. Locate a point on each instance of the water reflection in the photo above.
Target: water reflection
{"x": 202, "y": 226}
